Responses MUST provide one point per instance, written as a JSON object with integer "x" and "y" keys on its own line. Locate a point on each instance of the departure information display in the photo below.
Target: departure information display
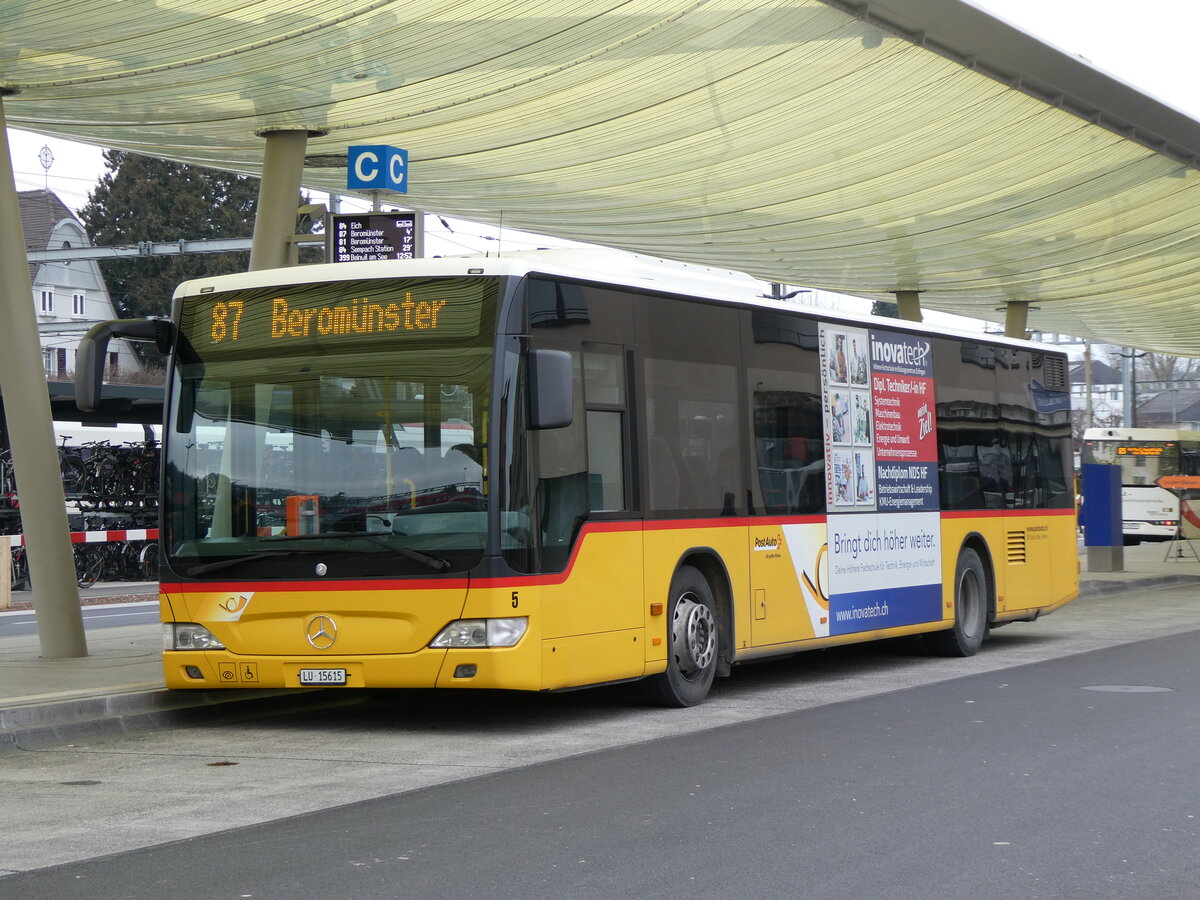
{"x": 373, "y": 236}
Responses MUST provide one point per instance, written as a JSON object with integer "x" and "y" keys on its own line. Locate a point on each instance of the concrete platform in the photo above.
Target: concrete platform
{"x": 119, "y": 686}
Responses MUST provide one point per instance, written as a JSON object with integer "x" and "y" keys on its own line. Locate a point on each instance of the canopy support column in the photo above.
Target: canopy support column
{"x": 278, "y": 195}
{"x": 1016, "y": 316}
{"x": 909, "y": 304}
{"x": 35, "y": 458}
{"x": 1129, "y": 387}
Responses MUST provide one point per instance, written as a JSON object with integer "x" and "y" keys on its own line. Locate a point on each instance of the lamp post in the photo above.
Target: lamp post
{"x": 1129, "y": 387}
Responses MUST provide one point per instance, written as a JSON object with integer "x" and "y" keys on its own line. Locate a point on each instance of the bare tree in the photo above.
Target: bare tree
{"x": 1160, "y": 368}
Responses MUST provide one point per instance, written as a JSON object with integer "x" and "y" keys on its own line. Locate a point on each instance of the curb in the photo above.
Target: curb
{"x": 40, "y": 726}
{"x": 1104, "y": 588}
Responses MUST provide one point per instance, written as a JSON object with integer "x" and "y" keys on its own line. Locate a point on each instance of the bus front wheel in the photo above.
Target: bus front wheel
{"x": 970, "y": 609}
{"x": 693, "y": 643}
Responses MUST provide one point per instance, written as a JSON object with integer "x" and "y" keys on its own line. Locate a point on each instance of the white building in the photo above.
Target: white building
{"x": 1107, "y": 390}
{"x": 69, "y": 296}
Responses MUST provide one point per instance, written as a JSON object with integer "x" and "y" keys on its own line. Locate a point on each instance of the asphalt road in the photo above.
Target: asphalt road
{"x": 100, "y": 616}
{"x": 1069, "y": 777}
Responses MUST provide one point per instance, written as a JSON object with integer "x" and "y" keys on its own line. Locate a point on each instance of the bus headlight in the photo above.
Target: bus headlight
{"x": 481, "y": 633}
{"x": 189, "y": 636}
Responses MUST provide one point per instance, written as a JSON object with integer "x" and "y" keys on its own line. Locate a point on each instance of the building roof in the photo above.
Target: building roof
{"x": 1171, "y": 401}
{"x": 897, "y": 145}
{"x": 41, "y": 211}
{"x": 1102, "y": 373}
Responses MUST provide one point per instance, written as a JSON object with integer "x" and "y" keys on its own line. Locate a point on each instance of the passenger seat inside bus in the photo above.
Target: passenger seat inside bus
{"x": 671, "y": 484}
{"x": 961, "y": 491}
{"x": 562, "y": 505}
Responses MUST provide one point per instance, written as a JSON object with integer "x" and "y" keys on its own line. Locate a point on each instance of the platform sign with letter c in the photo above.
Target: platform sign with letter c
{"x": 377, "y": 167}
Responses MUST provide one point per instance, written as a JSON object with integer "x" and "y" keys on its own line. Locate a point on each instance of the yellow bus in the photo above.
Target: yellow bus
{"x": 558, "y": 469}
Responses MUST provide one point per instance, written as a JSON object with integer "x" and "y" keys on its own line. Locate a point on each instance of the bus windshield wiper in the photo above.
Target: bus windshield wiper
{"x": 233, "y": 561}
{"x": 433, "y": 562}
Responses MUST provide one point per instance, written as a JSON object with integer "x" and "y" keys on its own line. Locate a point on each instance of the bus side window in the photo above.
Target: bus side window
{"x": 690, "y": 358}
{"x": 692, "y": 420}
{"x": 790, "y": 454}
{"x": 961, "y": 484}
{"x": 561, "y": 492}
{"x": 1189, "y": 460}
{"x": 1054, "y": 474}
{"x": 605, "y": 400}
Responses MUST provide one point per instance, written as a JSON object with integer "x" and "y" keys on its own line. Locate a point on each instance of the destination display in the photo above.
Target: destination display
{"x": 1140, "y": 451}
{"x": 336, "y": 314}
{"x": 883, "y": 525}
{"x": 373, "y": 236}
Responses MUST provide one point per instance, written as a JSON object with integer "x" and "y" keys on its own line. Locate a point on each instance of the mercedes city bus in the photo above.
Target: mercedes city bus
{"x": 549, "y": 470}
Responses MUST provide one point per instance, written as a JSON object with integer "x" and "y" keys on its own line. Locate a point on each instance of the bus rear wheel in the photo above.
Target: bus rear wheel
{"x": 970, "y": 609}
{"x": 693, "y": 643}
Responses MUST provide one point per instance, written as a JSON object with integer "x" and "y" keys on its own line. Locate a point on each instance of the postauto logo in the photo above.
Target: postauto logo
{"x": 768, "y": 543}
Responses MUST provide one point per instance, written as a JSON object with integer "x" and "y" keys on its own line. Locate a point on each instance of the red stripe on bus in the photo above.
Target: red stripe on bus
{"x": 1005, "y": 513}
{"x": 551, "y": 578}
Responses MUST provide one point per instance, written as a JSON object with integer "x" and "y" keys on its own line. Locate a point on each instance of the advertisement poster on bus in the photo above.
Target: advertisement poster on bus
{"x": 883, "y": 526}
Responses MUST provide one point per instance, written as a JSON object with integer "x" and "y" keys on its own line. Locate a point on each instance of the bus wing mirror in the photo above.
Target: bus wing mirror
{"x": 93, "y": 348}
{"x": 550, "y": 381}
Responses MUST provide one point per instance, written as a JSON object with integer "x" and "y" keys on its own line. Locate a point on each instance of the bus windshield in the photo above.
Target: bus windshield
{"x": 1142, "y": 462}
{"x": 305, "y": 432}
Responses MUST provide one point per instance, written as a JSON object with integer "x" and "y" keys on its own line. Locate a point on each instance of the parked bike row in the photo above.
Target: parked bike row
{"x": 109, "y": 489}
{"x": 97, "y": 475}
{"x": 109, "y": 561}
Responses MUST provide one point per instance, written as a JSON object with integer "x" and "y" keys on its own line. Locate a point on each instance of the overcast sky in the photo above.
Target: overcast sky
{"x": 1149, "y": 43}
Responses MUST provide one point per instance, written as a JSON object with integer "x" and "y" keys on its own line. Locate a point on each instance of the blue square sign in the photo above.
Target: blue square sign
{"x": 377, "y": 167}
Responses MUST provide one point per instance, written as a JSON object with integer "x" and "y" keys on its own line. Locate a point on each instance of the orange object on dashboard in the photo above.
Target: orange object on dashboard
{"x": 303, "y": 514}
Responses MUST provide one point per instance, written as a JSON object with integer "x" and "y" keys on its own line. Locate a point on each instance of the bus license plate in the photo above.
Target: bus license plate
{"x": 323, "y": 676}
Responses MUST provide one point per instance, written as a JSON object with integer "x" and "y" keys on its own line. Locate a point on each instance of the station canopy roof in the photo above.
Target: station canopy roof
{"x": 866, "y": 148}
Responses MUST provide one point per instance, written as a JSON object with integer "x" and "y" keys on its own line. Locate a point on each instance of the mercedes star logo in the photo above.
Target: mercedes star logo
{"x": 321, "y": 632}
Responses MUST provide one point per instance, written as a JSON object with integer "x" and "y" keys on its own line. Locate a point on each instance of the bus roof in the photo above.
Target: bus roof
{"x": 596, "y": 264}
{"x": 1140, "y": 434}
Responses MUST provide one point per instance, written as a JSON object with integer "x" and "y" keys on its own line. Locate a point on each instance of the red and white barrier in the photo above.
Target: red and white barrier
{"x": 8, "y": 541}
{"x": 94, "y": 537}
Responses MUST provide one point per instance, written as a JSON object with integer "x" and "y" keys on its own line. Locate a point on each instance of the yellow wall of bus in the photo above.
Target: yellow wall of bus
{"x": 1041, "y": 578}
{"x": 1033, "y": 556}
{"x": 605, "y": 618}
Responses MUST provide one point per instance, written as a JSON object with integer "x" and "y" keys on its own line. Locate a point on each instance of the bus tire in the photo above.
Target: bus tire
{"x": 970, "y": 609}
{"x": 693, "y": 642}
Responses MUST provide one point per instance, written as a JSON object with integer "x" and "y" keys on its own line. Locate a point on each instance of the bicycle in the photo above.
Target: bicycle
{"x": 148, "y": 561}
{"x": 8, "y": 480}
{"x": 102, "y": 484}
{"x": 89, "y": 564}
{"x": 20, "y": 569}
{"x": 72, "y": 469}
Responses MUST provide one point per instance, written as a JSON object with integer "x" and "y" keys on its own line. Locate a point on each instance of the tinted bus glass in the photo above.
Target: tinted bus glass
{"x": 369, "y": 448}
